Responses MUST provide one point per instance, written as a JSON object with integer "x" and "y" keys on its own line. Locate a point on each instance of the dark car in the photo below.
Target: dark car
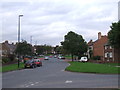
{"x": 30, "y": 64}
{"x": 62, "y": 57}
{"x": 35, "y": 57}
{"x": 38, "y": 62}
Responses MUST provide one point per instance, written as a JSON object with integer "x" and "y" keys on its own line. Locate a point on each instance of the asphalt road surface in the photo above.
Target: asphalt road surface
{"x": 52, "y": 75}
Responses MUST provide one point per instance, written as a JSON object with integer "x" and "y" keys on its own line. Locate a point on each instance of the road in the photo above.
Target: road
{"x": 52, "y": 75}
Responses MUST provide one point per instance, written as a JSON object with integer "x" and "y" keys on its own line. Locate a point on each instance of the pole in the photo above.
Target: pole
{"x": 31, "y": 40}
{"x": 19, "y": 37}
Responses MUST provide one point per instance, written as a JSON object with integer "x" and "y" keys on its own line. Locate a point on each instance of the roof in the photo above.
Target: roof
{"x": 9, "y": 46}
{"x": 90, "y": 43}
{"x": 101, "y": 38}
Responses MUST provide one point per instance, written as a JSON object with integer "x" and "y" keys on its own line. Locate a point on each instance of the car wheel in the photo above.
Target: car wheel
{"x": 33, "y": 66}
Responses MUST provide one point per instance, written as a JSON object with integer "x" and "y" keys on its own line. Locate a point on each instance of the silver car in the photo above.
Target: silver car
{"x": 46, "y": 58}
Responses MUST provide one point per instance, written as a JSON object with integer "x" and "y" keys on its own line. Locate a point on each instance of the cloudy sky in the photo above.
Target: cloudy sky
{"x": 47, "y": 21}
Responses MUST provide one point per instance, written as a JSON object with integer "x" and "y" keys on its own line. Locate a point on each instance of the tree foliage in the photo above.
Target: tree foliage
{"x": 43, "y": 49}
{"x": 23, "y": 48}
{"x": 74, "y": 44}
{"x": 114, "y": 34}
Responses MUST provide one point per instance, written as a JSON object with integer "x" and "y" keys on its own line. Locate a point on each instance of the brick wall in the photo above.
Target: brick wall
{"x": 98, "y": 46}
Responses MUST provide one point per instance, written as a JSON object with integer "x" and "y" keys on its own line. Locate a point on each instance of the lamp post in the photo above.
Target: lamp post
{"x": 19, "y": 34}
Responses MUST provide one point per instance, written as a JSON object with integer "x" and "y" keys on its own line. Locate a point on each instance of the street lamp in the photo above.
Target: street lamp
{"x": 19, "y": 34}
{"x": 19, "y": 27}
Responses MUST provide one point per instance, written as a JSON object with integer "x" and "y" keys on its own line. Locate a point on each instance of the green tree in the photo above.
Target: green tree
{"x": 114, "y": 35}
{"x": 48, "y": 49}
{"x": 57, "y": 49}
{"x": 40, "y": 49}
{"x": 43, "y": 49}
{"x": 23, "y": 48}
{"x": 74, "y": 44}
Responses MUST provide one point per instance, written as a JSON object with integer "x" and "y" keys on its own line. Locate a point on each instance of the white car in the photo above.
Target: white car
{"x": 46, "y": 58}
{"x": 83, "y": 59}
{"x": 55, "y": 56}
{"x": 59, "y": 57}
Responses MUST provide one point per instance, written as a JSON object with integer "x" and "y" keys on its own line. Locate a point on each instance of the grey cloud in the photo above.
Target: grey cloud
{"x": 47, "y": 20}
{"x": 8, "y": 6}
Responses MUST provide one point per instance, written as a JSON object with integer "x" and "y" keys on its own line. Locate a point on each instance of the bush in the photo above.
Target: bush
{"x": 96, "y": 57}
{"x": 11, "y": 57}
{"x": 5, "y": 59}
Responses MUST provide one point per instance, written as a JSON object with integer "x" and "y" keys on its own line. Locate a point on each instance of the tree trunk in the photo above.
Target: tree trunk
{"x": 72, "y": 57}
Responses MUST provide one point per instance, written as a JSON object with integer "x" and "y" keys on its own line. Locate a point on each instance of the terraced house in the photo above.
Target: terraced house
{"x": 103, "y": 49}
{"x": 7, "y": 48}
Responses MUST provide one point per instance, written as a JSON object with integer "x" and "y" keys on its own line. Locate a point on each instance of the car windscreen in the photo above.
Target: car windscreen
{"x": 37, "y": 60}
{"x": 29, "y": 61}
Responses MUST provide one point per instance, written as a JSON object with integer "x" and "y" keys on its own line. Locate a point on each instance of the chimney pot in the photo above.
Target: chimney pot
{"x": 99, "y": 35}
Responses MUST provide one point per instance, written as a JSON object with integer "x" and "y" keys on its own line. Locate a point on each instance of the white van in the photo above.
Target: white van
{"x": 83, "y": 59}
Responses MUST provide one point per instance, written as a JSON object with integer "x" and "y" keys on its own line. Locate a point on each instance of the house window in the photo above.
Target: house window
{"x": 89, "y": 48}
{"x": 106, "y": 47}
{"x": 111, "y": 55}
{"x": 106, "y": 54}
{"x": 110, "y": 47}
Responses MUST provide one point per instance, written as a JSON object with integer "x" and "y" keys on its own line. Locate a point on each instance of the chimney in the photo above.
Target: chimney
{"x": 99, "y": 35}
{"x": 12, "y": 43}
{"x": 6, "y": 41}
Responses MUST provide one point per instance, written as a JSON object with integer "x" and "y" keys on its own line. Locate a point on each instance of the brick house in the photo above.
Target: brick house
{"x": 108, "y": 53}
{"x": 111, "y": 54}
{"x": 90, "y": 49}
{"x": 102, "y": 48}
{"x": 98, "y": 46}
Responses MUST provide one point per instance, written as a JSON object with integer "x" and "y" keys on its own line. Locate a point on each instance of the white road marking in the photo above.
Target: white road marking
{"x": 26, "y": 86}
{"x": 68, "y": 81}
{"x": 31, "y": 84}
{"x": 62, "y": 70}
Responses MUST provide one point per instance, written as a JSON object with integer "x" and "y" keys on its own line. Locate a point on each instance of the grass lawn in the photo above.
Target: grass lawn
{"x": 113, "y": 64}
{"x": 92, "y": 68}
{"x": 11, "y": 67}
{"x": 68, "y": 57}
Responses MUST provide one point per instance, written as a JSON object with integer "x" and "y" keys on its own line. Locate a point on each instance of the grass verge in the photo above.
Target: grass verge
{"x": 92, "y": 68}
{"x": 68, "y": 57}
{"x": 11, "y": 67}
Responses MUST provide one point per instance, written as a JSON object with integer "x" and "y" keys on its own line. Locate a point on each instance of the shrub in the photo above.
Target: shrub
{"x": 11, "y": 57}
{"x": 96, "y": 57}
{"x": 5, "y": 59}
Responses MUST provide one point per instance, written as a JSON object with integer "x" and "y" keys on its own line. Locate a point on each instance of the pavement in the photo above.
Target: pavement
{"x": 53, "y": 75}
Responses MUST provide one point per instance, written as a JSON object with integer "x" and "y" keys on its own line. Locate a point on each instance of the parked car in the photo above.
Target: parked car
{"x": 41, "y": 55}
{"x": 46, "y": 58}
{"x": 83, "y": 59}
{"x": 59, "y": 57}
{"x": 55, "y": 56}
{"x": 50, "y": 56}
{"x": 30, "y": 64}
{"x": 62, "y": 57}
{"x": 35, "y": 57}
{"x": 38, "y": 62}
